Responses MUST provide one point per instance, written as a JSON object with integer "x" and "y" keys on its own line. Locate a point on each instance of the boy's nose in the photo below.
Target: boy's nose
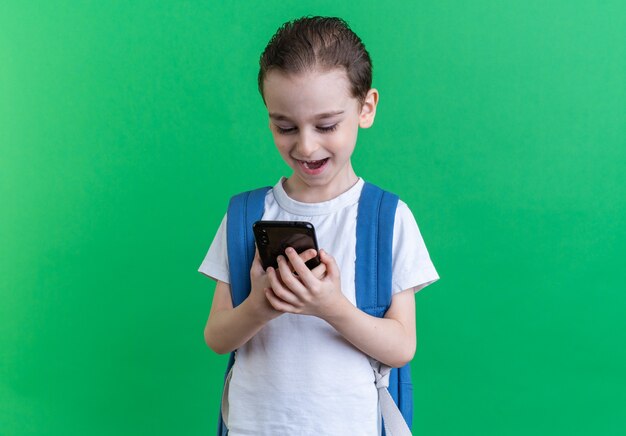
{"x": 306, "y": 145}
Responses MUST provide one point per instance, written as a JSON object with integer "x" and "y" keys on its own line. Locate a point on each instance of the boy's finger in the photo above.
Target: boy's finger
{"x": 319, "y": 271}
{"x": 291, "y": 281}
{"x": 283, "y": 292}
{"x": 278, "y": 303}
{"x": 308, "y": 254}
{"x": 305, "y": 256}
{"x": 278, "y": 275}
{"x": 332, "y": 269}
{"x": 274, "y": 279}
{"x": 303, "y": 271}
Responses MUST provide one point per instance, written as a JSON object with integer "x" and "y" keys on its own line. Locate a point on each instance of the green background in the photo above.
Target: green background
{"x": 126, "y": 126}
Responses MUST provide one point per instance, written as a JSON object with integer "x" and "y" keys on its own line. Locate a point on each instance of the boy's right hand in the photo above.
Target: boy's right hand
{"x": 259, "y": 282}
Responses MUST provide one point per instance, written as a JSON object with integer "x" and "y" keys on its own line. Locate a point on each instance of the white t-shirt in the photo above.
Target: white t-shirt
{"x": 298, "y": 375}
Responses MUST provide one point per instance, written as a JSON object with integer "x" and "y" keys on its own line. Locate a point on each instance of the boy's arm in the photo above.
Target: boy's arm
{"x": 228, "y": 328}
{"x": 390, "y": 340}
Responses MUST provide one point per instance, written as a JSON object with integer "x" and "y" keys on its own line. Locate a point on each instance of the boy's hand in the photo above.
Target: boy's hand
{"x": 312, "y": 292}
{"x": 260, "y": 283}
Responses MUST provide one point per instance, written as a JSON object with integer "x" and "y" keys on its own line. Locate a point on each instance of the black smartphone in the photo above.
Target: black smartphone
{"x": 273, "y": 237}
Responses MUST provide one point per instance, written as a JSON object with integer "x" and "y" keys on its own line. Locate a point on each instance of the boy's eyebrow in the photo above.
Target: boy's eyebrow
{"x": 281, "y": 117}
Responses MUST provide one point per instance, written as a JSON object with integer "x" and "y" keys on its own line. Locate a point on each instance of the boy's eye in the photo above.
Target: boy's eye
{"x": 284, "y": 131}
{"x": 327, "y": 128}
{"x": 288, "y": 130}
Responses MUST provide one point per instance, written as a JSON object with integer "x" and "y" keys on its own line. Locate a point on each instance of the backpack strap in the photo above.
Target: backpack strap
{"x": 243, "y": 210}
{"x": 374, "y": 248}
{"x": 373, "y": 275}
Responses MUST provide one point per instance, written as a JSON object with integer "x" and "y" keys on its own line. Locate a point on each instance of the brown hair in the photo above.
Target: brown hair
{"x": 318, "y": 42}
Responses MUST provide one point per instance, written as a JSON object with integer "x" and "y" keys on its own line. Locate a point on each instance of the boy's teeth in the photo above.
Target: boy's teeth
{"x": 313, "y": 164}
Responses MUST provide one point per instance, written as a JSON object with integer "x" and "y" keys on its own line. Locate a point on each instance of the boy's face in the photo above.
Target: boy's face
{"x": 315, "y": 121}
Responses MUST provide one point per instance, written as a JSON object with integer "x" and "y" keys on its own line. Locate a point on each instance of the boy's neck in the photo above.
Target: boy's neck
{"x": 299, "y": 191}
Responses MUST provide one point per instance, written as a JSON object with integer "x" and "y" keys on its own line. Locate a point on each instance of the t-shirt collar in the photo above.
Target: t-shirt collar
{"x": 351, "y": 196}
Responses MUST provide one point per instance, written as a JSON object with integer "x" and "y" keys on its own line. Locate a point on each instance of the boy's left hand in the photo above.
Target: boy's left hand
{"x": 308, "y": 293}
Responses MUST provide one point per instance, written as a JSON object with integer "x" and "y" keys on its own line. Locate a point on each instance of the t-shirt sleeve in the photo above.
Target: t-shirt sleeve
{"x": 215, "y": 263}
{"x": 412, "y": 267}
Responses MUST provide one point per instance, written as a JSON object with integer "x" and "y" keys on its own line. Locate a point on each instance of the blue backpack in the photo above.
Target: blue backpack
{"x": 374, "y": 238}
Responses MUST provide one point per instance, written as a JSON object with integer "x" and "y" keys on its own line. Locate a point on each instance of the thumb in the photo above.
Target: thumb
{"x": 256, "y": 262}
{"x": 332, "y": 269}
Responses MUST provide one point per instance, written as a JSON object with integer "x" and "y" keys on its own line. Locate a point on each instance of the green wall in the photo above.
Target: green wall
{"x": 126, "y": 126}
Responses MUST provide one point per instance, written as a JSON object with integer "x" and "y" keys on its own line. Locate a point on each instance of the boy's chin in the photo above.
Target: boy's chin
{"x": 306, "y": 180}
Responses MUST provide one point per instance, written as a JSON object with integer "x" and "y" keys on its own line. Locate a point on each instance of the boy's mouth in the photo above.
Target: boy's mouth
{"x": 312, "y": 166}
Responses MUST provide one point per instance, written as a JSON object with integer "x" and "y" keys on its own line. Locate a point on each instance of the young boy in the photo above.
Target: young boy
{"x": 302, "y": 362}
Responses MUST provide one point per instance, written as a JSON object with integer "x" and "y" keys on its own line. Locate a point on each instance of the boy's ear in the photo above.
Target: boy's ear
{"x": 368, "y": 111}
